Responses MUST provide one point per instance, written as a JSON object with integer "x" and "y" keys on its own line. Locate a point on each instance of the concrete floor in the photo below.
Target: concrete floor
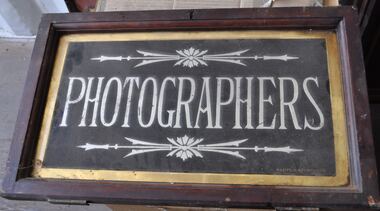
{"x": 14, "y": 61}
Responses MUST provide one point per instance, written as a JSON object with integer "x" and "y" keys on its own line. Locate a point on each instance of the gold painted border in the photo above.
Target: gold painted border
{"x": 337, "y": 102}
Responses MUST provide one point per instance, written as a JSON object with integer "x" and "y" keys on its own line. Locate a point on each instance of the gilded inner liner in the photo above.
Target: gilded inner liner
{"x": 337, "y": 102}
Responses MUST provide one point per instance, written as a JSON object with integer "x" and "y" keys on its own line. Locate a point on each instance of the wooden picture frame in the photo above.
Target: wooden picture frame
{"x": 356, "y": 188}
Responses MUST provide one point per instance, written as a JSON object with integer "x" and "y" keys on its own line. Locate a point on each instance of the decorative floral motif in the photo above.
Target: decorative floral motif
{"x": 192, "y": 57}
{"x": 187, "y": 147}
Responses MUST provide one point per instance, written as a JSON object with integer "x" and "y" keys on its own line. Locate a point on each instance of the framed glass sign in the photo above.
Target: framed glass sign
{"x": 196, "y": 109}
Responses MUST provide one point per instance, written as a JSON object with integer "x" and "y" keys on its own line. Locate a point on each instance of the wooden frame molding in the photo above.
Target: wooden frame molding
{"x": 354, "y": 185}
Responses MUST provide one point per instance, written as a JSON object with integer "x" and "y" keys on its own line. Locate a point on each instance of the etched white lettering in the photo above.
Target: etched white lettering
{"x": 184, "y": 103}
{"x": 205, "y": 95}
{"x": 161, "y": 100}
{"x": 219, "y": 102}
{"x": 131, "y": 80}
{"x": 289, "y": 104}
{"x": 70, "y": 101}
{"x": 153, "y": 107}
{"x": 312, "y": 101}
{"x": 103, "y": 106}
{"x": 94, "y": 100}
{"x": 262, "y": 101}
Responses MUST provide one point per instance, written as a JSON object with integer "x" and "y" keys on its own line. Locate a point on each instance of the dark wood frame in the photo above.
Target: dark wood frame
{"x": 363, "y": 191}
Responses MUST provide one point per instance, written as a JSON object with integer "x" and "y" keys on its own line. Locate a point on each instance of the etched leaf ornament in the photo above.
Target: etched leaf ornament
{"x": 185, "y": 148}
{"x": 191, "y": 57}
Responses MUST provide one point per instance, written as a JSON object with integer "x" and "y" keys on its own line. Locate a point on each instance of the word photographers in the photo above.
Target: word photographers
{"x": 189, "y": 102}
